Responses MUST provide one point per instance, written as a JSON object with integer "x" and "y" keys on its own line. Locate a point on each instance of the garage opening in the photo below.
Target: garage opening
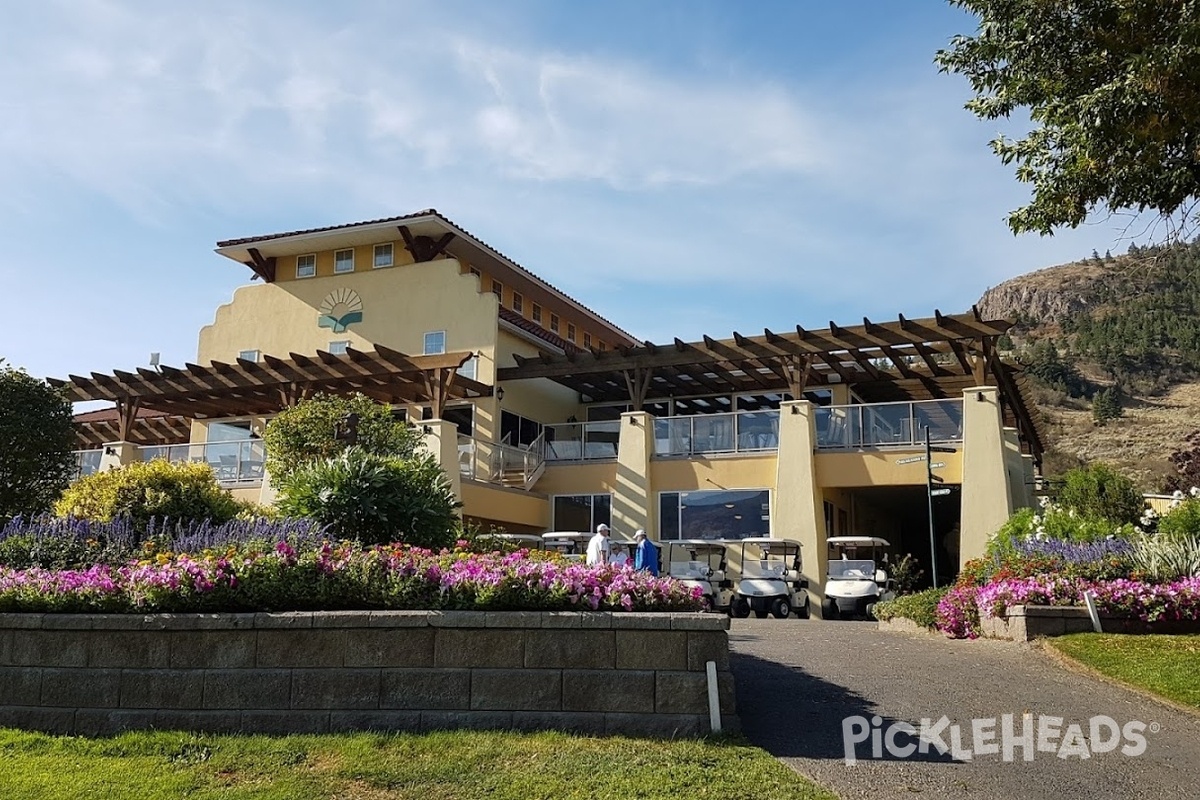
{"x": 900, "y": 514}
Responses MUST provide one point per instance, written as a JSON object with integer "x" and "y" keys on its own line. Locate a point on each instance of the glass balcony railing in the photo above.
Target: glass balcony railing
{"x": 233, "y": 462}
{"x": 875, "y": 425}
{"x": 704, "y": 434}
{"x": 582, "y": 441}
{"x": 87, "y": 462}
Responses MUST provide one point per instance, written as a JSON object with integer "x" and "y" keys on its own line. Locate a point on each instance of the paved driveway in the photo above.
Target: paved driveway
{"x": 798, "y": 679}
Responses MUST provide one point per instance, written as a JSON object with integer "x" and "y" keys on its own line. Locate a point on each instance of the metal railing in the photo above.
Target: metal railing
{"x": 87, "y": 462}
{"x": 703, "y": 434}
{"x": 582, "y": 441}
{"x": 233, "y": 462}
{"x": 504, "y": 464}
{"x": 876, "y": 425}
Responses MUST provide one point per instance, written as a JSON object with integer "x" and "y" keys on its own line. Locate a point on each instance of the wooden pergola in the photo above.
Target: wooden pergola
{"x": 905, "y": 359}
{"x": 96, "y": 428}
{"x": 252, "y": 388}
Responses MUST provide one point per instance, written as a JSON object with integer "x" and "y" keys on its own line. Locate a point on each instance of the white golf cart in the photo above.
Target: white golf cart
{"x": 770, "y": 579}
{"x": 701, "y": 562}
{"x": 573, "y": 544}
{"x": 857, "y": 576}
{"x": 520, "y": 541}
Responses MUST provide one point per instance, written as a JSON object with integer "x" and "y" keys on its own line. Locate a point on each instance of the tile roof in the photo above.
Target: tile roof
{"x": 529, "y": 326}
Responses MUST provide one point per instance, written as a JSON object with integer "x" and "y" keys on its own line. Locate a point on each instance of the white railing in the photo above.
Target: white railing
{"x": 233, "y": 462}
{"x": 703, "y": 434}
{"x": 503, "y": 464}
{"x": 87, "y": 462}
{"x": 876, "y": 425}
{"x": 582, "y": 441}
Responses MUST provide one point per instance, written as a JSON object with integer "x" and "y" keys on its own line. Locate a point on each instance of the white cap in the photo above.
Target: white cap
{"x": 601, "y": 528}
{"x": 640, "y": 533}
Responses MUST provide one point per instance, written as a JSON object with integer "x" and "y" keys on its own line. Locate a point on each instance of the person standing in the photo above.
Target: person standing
{"x": 598, "y": 549}
{"x": 646, "y": 557}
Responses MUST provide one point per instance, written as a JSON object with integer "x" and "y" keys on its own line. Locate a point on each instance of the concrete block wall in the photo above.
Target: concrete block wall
{"x": 1026, "y": 623}
{"x": 305, "y": 672}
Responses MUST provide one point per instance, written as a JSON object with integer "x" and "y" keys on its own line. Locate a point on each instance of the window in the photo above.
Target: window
{"x": 476, "y": 273}
{"x": 587, "y": 340}
{"x": 828, "y": 508}
{"x": 248, "y": 355}
{"x": 463, "y": 418}
{"x": 343, "y": 261}
{"x": 719, "y": 514}
{"x": 383, "y": 255}
{"x": 582, "y": 512}
{"x": 470, "y": 369}
{"x": 435, "y": 343}
{"x": 339, "y": 348}
{"x": 498, "y": 290}
{"x": 602, "y": 346}
{"x": 537, "y": 313}
{"x": 518, "y": 430}
{"x": 306, "y": 266}
{"x": 571, "y": 331}
{"x": 554, "y": 323}
{"x": 518, "y": 303}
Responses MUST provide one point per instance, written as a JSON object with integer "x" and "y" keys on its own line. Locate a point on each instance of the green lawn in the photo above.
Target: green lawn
{"x": 1165, "y": 665}
{"x": 151, "y": 766}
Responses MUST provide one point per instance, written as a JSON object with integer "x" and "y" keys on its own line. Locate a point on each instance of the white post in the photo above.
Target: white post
{"x": 1090, "y": 599}
{"x": 714, "y": 698}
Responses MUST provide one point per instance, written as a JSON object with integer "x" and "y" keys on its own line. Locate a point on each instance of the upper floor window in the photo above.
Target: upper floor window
{"x": 587, "y": 340}
{"x": 343, "y": 261}
{"x": 537, "y": 313}
{"x": 306, "y": 266}
{"x": 248, "y": 355}
{"x": 339, "y": 347}
{"x": 470, "y": 369}
{"x": 554, "y": 325}
{"x": 498, "y": 290}
{"x": 383, "y": 255}
{"x": 602, "y": 346}
{"x": 571, "y": 331}
{"x": 435, "y": 343}
{"x": 476, "y": 272}
{"x": 518, "y": 303}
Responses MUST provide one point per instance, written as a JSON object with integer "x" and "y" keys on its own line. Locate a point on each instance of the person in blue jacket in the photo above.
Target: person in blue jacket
{"x": 646, "y": 556}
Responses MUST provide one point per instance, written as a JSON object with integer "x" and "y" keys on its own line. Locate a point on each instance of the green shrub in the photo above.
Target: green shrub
{"x": 1053, "y": 523}
{"x": 920, "y": 607}
{"x": 374, "y": 499}
{"x": 1182, "y": 521}
{"x": 1099, "y": 491}
{"x": 305, "y": 433}
{"x": 36, "y": 440}
{"x": 149, "y": 489}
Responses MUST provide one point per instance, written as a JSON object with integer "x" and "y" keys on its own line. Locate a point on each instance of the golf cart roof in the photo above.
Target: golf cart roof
{"x": 858, "y": 540}
{"x": 532, "y": 538}
{"x": 711, "y": 544}
{"x": 760, "y": 540}
{"x": 578, "y": 536}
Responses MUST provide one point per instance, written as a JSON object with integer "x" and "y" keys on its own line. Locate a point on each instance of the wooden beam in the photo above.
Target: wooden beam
{"x": 264, "y": 267}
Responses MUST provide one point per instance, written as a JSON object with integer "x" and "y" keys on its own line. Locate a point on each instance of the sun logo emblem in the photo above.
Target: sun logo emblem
{"x": 341, "y": 309}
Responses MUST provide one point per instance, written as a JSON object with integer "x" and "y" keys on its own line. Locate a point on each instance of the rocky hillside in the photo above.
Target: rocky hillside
{"x": 1127, "y": 326}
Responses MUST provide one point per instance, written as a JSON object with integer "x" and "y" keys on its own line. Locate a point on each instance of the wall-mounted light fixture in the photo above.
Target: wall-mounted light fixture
{"x": 500, "y": 393}
{"x": 795, "y": 409}
{"x": 979, "y": 396}
{"x": 109, "y": 450}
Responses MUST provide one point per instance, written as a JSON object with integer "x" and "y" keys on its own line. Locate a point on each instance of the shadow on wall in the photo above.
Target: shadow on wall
{"x": 793, "y": 714}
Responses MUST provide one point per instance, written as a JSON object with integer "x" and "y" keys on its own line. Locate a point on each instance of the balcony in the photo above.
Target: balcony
{"x": 872, "y": 426}
{"x": 711, "y": 434}
{"x": 582, "y": 441}
{"x": 87, "y": 462}
{"x": 234, "y": 462}
{"x": 514, "y": 466}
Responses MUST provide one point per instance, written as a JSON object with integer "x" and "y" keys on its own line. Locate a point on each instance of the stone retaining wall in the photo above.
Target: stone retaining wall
{"x": 1026, "y": 623}
{"x": 598, "y": 673}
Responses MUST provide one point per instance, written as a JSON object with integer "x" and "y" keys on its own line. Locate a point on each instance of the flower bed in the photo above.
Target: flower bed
{"x": 340, "y": 576}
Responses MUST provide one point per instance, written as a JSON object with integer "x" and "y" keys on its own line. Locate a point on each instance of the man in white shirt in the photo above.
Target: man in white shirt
{"x": 598, "y": 549}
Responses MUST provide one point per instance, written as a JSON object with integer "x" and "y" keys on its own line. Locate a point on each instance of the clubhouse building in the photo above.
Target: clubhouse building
{"x": 546, "y": 416}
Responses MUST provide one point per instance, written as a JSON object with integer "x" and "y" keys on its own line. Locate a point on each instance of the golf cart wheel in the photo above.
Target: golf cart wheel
{"x": 804, "y": 611}
{"x": 739, "y": 607}
{"x": 829, "y": 609}
{"x": 781, "y": 609}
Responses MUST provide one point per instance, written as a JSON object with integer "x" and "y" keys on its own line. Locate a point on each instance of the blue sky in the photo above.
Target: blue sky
{"x": 682, "y": 167}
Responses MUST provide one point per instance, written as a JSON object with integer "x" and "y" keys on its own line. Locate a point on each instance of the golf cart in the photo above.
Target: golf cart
{"x": 519, "y": 541}
{"x": 770, "y": 579}
{"x": 573, "y": 544}
{"x": 701, "y": 562}
{"x": 857, "y": 577}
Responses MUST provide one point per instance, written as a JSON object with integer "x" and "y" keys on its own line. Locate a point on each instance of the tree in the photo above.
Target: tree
{"x": 37, "y": 438}
{"x": 1113, "y": 88}
{"x": 308, "y": 432}
{"x": 1100, "y": 492}
{"x": 1106, "y": 405}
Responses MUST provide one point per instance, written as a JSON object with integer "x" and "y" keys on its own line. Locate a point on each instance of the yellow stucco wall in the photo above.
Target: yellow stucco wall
{"x": 735, "y": 472}
{"x": 540, "y": 399}
{"x": 364, "y": 258}
{"x": 506, "y": 505}
{"x": 879, "y": 468}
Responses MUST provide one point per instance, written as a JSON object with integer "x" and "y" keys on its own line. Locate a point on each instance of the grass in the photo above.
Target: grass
{"x": 435, "y": 766}
{"x": 1164, "y": 665}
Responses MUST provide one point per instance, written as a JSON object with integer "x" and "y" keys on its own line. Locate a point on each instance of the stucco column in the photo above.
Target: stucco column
{"x": 441, "y": 441}
{"x": 632, "y": 498}
{"x": 986, "y": 493}
{"x": 118, "y": 454}
{"x": 799, "y": 512}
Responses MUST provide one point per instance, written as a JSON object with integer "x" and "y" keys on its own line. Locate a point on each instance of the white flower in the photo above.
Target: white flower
{"x": 1041, "y": 536}
{"x": 1178, "y": 495}
{"x": 1044, "y": 501}
{"x": 1194, "y": 491}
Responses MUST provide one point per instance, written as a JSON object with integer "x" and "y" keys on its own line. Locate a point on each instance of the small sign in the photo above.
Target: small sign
{"x": 910, "y": 460}
{"x": 937, "y": 492}
{"x": 937, "y": 465}
{"x": 943, "y": 449}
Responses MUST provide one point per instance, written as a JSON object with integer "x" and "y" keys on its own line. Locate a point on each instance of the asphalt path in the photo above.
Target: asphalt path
{"x": 799, "y": 680}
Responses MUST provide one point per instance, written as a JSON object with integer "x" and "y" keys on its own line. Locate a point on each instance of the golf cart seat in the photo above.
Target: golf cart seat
{"x": 764, "y": 569}
{"x": 690, "y": 569}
